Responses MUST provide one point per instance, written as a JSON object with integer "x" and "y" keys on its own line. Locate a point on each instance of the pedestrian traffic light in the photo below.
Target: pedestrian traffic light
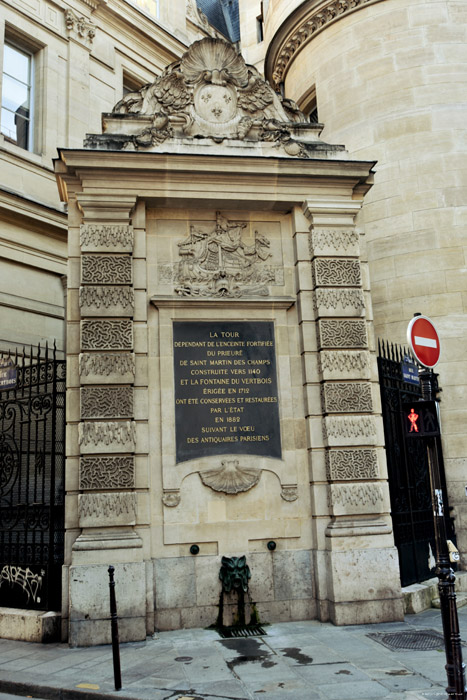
{"x": 420, "y": 419}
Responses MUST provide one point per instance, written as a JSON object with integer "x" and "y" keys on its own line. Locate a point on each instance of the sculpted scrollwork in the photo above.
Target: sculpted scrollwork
{"x": 106, "y": 335}
{"x": 348, "y": 397}
{"x": 311, "y": 24}
{"x": 342, "y": 333}
{"x": 219, "y": 263}
{"x": 108, "y": 237}
{"x": 337, "y": 272}
{"x": 106, "y": 472}
{"x": 107, "y": 402}
{"x": 106, "y": 269}
{"x": 210, "y": 92}
{"x": 351, "y": 464}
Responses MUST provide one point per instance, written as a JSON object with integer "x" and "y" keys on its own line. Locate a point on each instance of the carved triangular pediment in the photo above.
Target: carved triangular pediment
{"x": 210, "y": 94}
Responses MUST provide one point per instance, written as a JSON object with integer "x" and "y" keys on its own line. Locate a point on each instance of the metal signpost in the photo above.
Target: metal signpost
{"x": 421, "y": 420}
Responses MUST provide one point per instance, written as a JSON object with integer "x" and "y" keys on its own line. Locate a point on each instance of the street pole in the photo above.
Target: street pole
{"x": 455, "y": 668}
{"x": 114, "y": 631}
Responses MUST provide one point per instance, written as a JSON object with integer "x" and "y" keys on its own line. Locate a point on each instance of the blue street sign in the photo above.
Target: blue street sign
{"x": 409, "y": 371}
{"x": 7, "y": 373}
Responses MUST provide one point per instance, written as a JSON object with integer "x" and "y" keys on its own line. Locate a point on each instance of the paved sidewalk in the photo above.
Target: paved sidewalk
{"x": 293, "y": 661}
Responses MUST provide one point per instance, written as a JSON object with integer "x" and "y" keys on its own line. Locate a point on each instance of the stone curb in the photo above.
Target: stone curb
{"x": 47, "y": 692}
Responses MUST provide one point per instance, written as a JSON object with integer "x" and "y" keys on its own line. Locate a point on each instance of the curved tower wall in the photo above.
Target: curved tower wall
{"x": 391, "y": 85}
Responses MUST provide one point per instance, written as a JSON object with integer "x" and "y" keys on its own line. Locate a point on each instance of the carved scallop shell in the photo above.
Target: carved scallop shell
{"x": 230, "y": 477}
{"x": 215, "y": 61}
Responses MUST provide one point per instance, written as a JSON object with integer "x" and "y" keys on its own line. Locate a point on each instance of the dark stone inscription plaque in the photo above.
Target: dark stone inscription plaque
{"x": 225, "y": 389}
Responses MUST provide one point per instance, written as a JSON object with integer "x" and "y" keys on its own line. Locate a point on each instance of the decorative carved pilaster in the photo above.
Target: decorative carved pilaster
{"x": 342, "y": 302}
{"x": 342, "y": 334}
{"x": 348, "y": 397}
{"x": 115, "y": 472}
{"x": 106, "y": 335}
{"x": 347, "y": 430}
{"x": 356, "y": 499}
{"x": 108, "y": 437}
{"x": 336, "y": 272}
{"x": 107, "y": 368}
{"x": 344, "y": 364}
{"x": 107, "y": 433}
{"x": 106, "y": 269}
{"x": 106, "y": 238}
{"x": 97, "y": 509}
{"x": 351, "y": 464}
{"x": 107, "y": 301}
{"x": 335, "y": 242}
{"x": 107, "y": 402}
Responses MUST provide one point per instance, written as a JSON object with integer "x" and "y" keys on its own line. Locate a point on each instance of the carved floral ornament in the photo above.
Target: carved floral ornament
{"x": 323, "y": 14}
{"x": 209, "y": 93}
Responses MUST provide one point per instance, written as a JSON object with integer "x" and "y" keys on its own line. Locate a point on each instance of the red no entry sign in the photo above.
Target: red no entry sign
{"x": 424, "y": 341}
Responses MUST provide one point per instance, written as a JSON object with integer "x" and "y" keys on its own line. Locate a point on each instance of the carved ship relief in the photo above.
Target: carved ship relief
{"x": 220, "y": 264}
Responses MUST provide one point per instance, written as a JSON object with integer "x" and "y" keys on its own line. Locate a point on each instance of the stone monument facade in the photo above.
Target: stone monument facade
{"x": 222, "y": 387}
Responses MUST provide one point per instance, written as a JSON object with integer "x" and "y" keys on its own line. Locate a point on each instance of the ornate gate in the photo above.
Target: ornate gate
{"x": 32, "y": 461}
{"x": 409, "y": 481}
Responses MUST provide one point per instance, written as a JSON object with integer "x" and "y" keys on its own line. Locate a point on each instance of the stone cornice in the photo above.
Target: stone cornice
{"x": 308, "y": 20}
{"x": 173, "y": 302}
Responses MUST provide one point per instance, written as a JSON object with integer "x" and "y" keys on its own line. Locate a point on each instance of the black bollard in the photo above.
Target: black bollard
{"x": 114, "y": 628}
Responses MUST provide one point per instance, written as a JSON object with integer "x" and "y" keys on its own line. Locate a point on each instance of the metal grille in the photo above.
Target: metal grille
{"x": 409, "y": 481}
{"x": 32, "y": 461}
{"x": 421, "y": 640}
{"x": 238, "y": 631}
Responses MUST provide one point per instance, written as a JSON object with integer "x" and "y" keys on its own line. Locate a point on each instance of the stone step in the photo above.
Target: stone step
{"x": 461, "y": 600}
{"x": 419, "y": 596}
{"x": 29, "y": 625}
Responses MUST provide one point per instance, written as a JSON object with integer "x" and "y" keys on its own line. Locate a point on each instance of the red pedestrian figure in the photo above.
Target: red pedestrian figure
{"x": 413, "y": 418}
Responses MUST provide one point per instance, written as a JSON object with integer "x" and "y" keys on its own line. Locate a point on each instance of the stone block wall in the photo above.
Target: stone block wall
{"x": 390, "y": 82}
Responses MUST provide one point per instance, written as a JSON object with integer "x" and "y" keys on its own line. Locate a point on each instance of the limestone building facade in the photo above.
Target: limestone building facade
{"x": 63, "y": 64}
{"x": 331, "y": 232}
{"x": 388, "y": 79}
{"x": 222, "y": 385}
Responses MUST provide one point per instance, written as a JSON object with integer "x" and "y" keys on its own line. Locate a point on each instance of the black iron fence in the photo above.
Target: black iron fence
{"x": 409, "y": 480}
{"x": 32, "y": 463}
